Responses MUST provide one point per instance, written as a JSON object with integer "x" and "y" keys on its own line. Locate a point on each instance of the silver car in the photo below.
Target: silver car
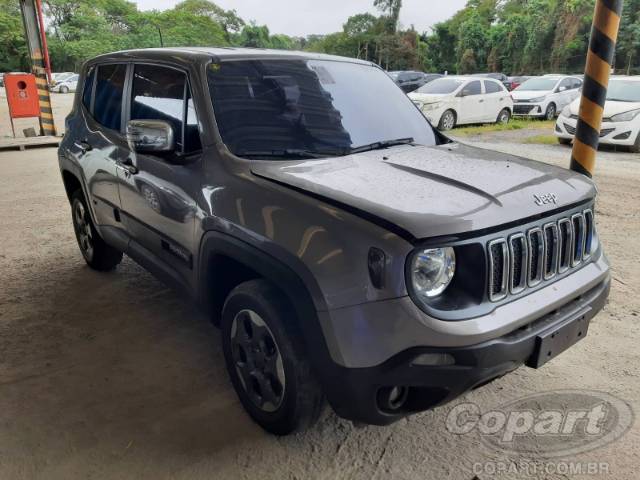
{"x": 349, "y": 252}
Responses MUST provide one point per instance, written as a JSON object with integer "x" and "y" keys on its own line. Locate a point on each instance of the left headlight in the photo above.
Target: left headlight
{"x": 626, "y": 116}
{"x": 431, "y": 106}
{"x": 432, "y": 270}
{"x": 538, "y": 99}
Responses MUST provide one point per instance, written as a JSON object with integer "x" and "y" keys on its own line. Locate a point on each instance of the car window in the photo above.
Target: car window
{"x": 492, "y": 87}
{"x": 566, "y": 83}
{"x": 441, "y": 86}
{"x": 473, "y": 88}
{"x": 107, "y": 108}
{"x": 73, "y": 79}
{"x": 160, "y": 93}
{"x": 576, "y": 83}
{"x": 88, "y": 88}
{"x": 318, "y": 106}
{"x": 538, "y": 84}
{"x": 415, "y": 76}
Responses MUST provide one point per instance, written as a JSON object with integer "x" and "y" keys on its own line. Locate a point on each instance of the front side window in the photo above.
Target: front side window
{"x": 107, "y": 108}
{"x": 160, "y": 93}
{"x": 473, "y": 88}
{"x": 314, "y": 106}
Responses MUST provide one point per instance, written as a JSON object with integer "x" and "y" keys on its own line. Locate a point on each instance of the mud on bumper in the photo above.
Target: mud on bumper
{"x": 361, "y": 394}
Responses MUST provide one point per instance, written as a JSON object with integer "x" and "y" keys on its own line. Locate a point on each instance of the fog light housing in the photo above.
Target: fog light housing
{"x": 434, "y": 360}
{"x": 622, "y": 136}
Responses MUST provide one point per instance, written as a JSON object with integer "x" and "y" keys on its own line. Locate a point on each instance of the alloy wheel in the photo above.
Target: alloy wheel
{"x": 257, "y": 360}
{"x": 83, "y": 229}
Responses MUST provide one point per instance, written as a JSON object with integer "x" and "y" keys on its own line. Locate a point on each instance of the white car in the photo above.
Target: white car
{"x": 544, "y": 97}
{"x": 67, "y": 85}
{"x": 456, "y": 100}
{"x": 621, "y": 122}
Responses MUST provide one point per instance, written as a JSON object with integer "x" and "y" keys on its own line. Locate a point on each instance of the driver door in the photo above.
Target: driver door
{"x": 472, "y": 103}
{"x": 158, "y": 189}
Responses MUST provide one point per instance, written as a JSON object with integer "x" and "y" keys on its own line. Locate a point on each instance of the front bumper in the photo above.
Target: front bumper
{"x": 611, "y": 133}
{"x": 528, "y": 110}
{"x": 354, "y": 393}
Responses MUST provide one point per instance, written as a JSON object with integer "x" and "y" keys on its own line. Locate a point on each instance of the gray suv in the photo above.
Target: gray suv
{"x": 348, "y": 251}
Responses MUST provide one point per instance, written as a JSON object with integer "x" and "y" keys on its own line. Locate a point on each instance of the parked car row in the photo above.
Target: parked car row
{"x": 411, "y": 80}
{"x": 621, "y": 122}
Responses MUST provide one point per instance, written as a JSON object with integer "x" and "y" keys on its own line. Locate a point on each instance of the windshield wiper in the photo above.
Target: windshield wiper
{"x": 286, "y": 154}
{"x": 382, "y": 144}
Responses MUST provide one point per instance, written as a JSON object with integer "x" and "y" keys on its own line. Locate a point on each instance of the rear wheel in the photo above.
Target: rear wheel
{"x": 550, "y": 113}
{"x": 447, "y": 121}
{"x": 504, "y": 116}
{"x": 95, "y": 251}
{"x": 265, "y": 359}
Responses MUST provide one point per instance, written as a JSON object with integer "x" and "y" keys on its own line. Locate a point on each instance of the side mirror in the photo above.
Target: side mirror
{"x": 562, "y": 89}
{"x": 463, "y": 93}
{"x": 150, "y": 136}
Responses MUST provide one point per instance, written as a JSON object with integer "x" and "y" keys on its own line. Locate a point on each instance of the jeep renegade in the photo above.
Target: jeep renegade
{"x": 348, "y": 251}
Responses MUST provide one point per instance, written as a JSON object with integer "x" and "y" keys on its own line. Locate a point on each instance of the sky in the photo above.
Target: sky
{"x": 304, "y": 17}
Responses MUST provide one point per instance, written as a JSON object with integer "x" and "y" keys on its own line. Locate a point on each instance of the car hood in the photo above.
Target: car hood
{"x": 429, "y": 97}
{"x": 610, "y": 108}
{"x": 433, "y": 191}
{"x": 529, "y": 94}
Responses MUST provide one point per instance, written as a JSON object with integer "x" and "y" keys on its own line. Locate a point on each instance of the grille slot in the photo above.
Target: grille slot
{"x": 536, "y": 256}
{"x": 551, "y": 250}
{"x": 577, "y": 222}
{"x": 566, "y": 245}
{"x": 542, "y": 253}
{"x": 588, "y": 236}
{"x": 498, "y": 266}
{"x": 519, "y": 260}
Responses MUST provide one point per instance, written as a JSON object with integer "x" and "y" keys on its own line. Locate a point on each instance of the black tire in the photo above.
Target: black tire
{"x": 447, "y": 121}
{"x": 300, "y": 400}
{"x": 96, "y": 252}
{"x": 550, "y": 112}
{"x": 504, "y": 116}
{"x": 635, "y": 148}
{"x": 64, "y": 90}
{"x": 564, "y": 141}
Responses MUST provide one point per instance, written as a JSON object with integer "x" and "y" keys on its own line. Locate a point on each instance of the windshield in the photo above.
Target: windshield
{"x": 314, "y": 106}
{"x": 441, "y": 85}
{"x": 539, "y": 84}
{"x": 624, "y": 91}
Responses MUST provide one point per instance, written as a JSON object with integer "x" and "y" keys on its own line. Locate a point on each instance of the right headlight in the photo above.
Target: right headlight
{"x": 626, "y": 116}
{"x": 431, "y": 106}
{"x": 432, "y": 270}
{"x": 566, "y": 111}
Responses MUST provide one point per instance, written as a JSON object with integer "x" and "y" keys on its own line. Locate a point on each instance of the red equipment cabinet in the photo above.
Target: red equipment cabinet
{"x": 22, "y": 96}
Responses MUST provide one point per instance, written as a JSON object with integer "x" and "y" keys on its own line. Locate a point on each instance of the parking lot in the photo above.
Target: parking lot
{"x": 115, "y": 375}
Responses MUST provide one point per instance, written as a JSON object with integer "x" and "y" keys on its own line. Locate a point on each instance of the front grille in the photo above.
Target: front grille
{"x": 522, "y": 109}
{"x": 528, "y": 258}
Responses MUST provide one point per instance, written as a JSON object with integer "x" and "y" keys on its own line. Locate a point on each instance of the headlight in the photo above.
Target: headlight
{"x": 432, "y": 270}
{"x": 626, "y": 116}
{"x": 566, "y": 111}
{"x": 431, "y": 106}
{"x": 538, "y": 99}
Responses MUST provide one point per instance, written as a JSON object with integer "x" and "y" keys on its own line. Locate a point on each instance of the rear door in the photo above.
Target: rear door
{"x": 99, "y": 142}
{"x": 158, "y": 194}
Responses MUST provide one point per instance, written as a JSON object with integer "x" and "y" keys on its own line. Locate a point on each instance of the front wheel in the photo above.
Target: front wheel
{"x": 550, "y": 113}
{"x": 265, "y": 359}
{"x": 447, "y": 121}
{"x": 504, "y": 116}
{"x": 635, "y": 148}
{"x": 64, "y": 90}
{"x": 95, "y": 251}
{"x": 564, "y": 141}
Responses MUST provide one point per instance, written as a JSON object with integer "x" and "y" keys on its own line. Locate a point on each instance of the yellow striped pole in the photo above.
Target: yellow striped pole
{"x": 604, "y": 33}
{"x": 34, "y": 42}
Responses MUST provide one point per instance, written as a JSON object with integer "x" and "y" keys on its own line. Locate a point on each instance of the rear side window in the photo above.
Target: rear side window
{"x": 160, "y": 93}
{"x": 88, "y": 88}
{"x": 107, "y": 108}
{"x": 492, "y": 87}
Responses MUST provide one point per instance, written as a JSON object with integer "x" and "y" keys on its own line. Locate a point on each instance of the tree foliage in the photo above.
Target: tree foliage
{"x": 512, "y": 36}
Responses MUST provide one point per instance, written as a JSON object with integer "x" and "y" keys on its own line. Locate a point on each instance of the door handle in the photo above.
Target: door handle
{"x": 84, "y": 146}
{"x": 481, "y": 101}
{"x": 128, "y": 166}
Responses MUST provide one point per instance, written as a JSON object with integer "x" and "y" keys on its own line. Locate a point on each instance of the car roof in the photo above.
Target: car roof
{"x": 191, "y": 54}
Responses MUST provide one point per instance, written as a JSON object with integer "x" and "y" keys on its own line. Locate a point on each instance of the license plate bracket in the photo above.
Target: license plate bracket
{"x": 553, "y": 341}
